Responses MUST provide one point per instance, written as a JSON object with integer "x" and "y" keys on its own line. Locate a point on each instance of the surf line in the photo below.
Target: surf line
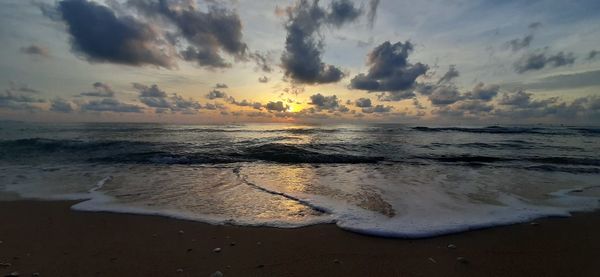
{"x": 244, "y": 179}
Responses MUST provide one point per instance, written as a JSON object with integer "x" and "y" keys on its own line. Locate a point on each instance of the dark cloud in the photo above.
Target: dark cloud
{"x": 324, "y": 102}
{"x": 342, "y": 12}
{"x": 110, "y": 105}
{"x": 208, "y": 33}
{"x": 99, "y": 35}
{"x": 372, "y": 12}
{"x": 61, "y": 106}
{"x": 100, "y": 90}
{"x": 450, "y": 75}
{"x": 35, "y": 50}
{"x": 12, "y": 101}
{"x": 363, "y": 102}
{"x": 245, "y": 103}
{"x": 565, "y": 81}
{"x": 593, "y": 54}
{"x": 17, "y": 87}
{"x": 262, "y": 61}
{"x": 152, "y": 96}
{"x": 215, "y": 94}
{"x": 445, "y": 95}
{"x": 390, "y": 72}
{"x": 474, "y": 107}
{"x": 301, "y": 59}
{"x": 522, "y": 99}
{"x": 537, "y": 61}
{"x": 278, "y": 106}
{"x": 518, "y": 44}
{"x": 221, "y": 85}
{"x": 378, "y": 109}
{"x": 263, "y": 79}
{"x": 535, "y": 25}
{"x": 483, "y": 92}
{"x": 149, "y": 91}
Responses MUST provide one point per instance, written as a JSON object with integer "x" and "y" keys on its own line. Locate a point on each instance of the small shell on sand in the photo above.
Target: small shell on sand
{"x": 13, "y": 274}
{"x": 5, "y": 264}
{"x": 432, "y": 260}
{"x": 179, "y": 270}
{"x": 35, "y": 274}
{"x": 181, "y": 232}
{"x": 217, "y": 274}
{"x": 217, "y": 250}
{"x": 462, "y": 260}
{"x": 336, "y": 261}
{"x": 451, "y": 246}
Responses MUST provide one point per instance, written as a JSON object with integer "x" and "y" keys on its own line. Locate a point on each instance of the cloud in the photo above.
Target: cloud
{"x": 450, "y": 75}
{"x": 101, "y": 90}
{"x": 445, "y": 95}
{"x": 537, "y": 61}
{"x": 100, "y": 35}
{"x": 372, "y": 12}
{"x": 390, "y": 72}
{"x": 263, "y": 79}
{"x": 342, "y": 12}
{"x": 12, "y": 101}
{"x": 518, "y": 44}
{"x": 592, "y": 55}
{"x": 208, "y": 33}
{"x": 278, "y": 106}
{"x": 564, "y": 81}
{"x": 377, "y": 109}
{"x": 245, "y": 103}
{"x": 324, "y": 102}
{"x": 61, "y": 106}
{"x": 149, "y": 91}
{"x": 262, "y": 61}
{"x": 221, "y": 85}
{"x": 152, "y": 96}
{"x": 301, "y": 60}
{"x": 483, "y": 92}
{"x": 215, "y": 94}
{"x": 363, "y": 102}
{"x": 522, "y": 99}
{"x": 17, "y": 87}
{"x": 35, "y": 50}
{"x": 110, "y": 105}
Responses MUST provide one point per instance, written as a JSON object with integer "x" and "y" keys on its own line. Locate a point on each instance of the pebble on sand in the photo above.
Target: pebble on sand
{"x": 5, "y": 264}
{"x": 462, "y": 260}
{"x": 232, "y": 243}
{"x": 35, "y": 274}
{"x": 534, "y": 224}
{"x": 13, "y": 274}
{"x": 217, "y": 274}
{"x": 336, "y": 261}
{"x": 217, "y": 250}
{"x": 451, "y": 246}
{"x": 179, "y": 270}
{"x": 181, "y": 232}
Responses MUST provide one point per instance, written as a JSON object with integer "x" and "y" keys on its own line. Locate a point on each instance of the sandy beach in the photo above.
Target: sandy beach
{"x": 49, "y": 239}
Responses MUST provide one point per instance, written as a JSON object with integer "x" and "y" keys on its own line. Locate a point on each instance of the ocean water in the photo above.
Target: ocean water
{"x": 385, "y": 180}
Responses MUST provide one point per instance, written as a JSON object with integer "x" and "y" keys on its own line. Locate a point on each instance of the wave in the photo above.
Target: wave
{"x": 494, "y": 130}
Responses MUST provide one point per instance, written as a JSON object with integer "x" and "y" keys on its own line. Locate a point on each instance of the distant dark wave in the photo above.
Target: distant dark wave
{"x": 492, "y": 159}
{"x": 173, "y": 153}
{"x": 503, "y": 130}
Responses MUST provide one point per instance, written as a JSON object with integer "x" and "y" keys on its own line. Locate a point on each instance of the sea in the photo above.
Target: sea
{"x": 390, "y": 180}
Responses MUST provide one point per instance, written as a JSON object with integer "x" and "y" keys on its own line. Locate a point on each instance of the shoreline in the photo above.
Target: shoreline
{"x": 49, "y": 238}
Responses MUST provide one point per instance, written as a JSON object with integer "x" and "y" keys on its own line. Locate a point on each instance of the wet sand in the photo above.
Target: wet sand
{"x": 50, "y": 239}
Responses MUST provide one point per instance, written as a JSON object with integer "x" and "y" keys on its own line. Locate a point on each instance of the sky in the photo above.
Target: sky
{"x": 228, "y": 61}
